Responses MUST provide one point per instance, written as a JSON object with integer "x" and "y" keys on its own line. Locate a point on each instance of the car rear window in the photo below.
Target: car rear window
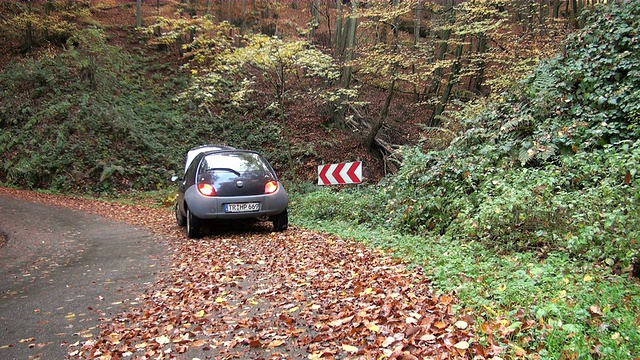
{"x": 238, "y": 162}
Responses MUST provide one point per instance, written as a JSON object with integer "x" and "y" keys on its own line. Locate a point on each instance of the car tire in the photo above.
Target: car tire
{"x": 181, "y": 220}
{"x": 193, "y": 225}
{"x": 281, "y": 222}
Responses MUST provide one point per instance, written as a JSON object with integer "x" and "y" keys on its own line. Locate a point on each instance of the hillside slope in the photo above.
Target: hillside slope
{"x": 532, "y": 214}
{"x": 93, "y": 108}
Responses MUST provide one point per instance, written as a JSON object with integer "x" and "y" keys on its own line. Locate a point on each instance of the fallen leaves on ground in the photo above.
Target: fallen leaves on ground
{"x": 297, "y": 294}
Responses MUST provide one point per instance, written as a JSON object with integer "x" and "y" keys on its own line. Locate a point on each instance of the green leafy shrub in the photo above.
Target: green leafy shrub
{"x": 534, "y": 208}
{"x": 80, "y": 120}
{"x": 53, "y": 23}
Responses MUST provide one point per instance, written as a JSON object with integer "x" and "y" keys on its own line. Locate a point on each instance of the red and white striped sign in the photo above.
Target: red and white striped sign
{"x": 337, "y": 174}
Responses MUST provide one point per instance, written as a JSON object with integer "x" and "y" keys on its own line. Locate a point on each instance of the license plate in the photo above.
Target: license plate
{"x": 241, "y": 207}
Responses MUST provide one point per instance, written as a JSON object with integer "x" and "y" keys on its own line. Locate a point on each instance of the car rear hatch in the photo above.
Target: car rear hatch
{"x": 236, "y": 173}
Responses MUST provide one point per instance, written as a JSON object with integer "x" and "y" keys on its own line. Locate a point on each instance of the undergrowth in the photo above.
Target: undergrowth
{"x": 96, "y": 118}
{"x": 532, "y": 213}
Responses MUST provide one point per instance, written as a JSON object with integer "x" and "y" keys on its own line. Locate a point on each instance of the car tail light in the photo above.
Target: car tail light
{"x": 271, "y": 187}
{"x": 206, "y": 189}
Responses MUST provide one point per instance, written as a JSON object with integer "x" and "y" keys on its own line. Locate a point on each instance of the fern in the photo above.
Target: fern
{"x": 518, "y": 123}
{"x": 543, "y": 84}
{"x": 547, "y": 151}
{"x": 525, "y": 155}
{"x": 537, "y": 151}
{"x": 108, "y": 171}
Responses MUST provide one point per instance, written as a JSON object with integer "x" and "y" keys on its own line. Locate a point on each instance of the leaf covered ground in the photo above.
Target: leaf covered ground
{"x": 246, "y": 292}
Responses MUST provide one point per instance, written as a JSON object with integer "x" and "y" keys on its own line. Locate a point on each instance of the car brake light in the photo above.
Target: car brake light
{"x": 206, "y": 189}
{"x": 270, "y": 187}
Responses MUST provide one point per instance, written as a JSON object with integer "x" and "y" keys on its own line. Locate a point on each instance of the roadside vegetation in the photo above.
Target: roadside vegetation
{"x": 525, "y": 202}
{"x": 532, "y": 213}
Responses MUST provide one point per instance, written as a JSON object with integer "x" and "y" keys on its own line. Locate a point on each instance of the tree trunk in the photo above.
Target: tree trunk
{"x": 442, "y": 52}
{"x": 338, "y": 33}
{"x": 315, "y": 14}
{"x": 328, "y": 16}
{"x": 476, "y": 82}
{"x": 337, "y": 112}
{"x": 377, "y": 125}
{"x": 27, "y": 41}
{"x": 416, "y": 37}
{"x": 243, "y": 20}
{"x": 444, "y": 99}
{"x": 280, "y": 95}
{"x": 350, "y": 43}
{"x": 139, "y": 13}
{"x": 556, "y": 9}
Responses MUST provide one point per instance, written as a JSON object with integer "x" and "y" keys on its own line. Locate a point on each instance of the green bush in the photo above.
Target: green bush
{"x": 81, "y": 120}
{"x": 533, "y": 208}
{"x": 539, "y": 169}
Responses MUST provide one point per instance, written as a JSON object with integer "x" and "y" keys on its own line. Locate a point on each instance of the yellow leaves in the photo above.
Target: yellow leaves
{"x": 349, "y": 348}
{"x": 616, "y": 337}
{"x": 340, "y": 322}
{"x": 595, "y": 310}
{"x": 373, "y": 327}
{"x": 275, "y": 343}
{"x": 587, "y": 278}
{"x": 520, "y": 352}
{"x": 163, "y": 339}
{"x": 114, "y": 338}
{"x": 461, "y": 324}
{"x": 428, "y": 337}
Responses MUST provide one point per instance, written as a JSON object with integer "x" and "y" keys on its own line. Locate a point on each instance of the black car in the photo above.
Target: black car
{"x": 223, "y": 183}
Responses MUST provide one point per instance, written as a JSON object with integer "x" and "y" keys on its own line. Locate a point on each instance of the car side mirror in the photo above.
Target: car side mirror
{"x": 175, "y": 178}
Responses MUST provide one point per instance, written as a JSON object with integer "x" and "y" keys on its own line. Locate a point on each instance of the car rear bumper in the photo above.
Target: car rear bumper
{"x": 215, "y": 207}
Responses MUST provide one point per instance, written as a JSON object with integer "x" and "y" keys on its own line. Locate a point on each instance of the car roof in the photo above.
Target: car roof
{"x": 195, "y": 151}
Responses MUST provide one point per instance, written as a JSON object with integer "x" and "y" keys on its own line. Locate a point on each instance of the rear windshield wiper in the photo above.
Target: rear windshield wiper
{"x": 224, "y": 169}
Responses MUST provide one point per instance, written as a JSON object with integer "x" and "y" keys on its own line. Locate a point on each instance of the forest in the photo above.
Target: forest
{"x": 499, "y": 138}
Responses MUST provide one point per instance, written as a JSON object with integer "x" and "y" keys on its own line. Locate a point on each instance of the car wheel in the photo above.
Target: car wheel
{"x": 281, "y": 222}
{"x": 181, "y": 220}
{"x": 193, "y": 225}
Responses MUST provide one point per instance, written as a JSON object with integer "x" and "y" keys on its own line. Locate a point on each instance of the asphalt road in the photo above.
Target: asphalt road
{"x": 61, "y": 271}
